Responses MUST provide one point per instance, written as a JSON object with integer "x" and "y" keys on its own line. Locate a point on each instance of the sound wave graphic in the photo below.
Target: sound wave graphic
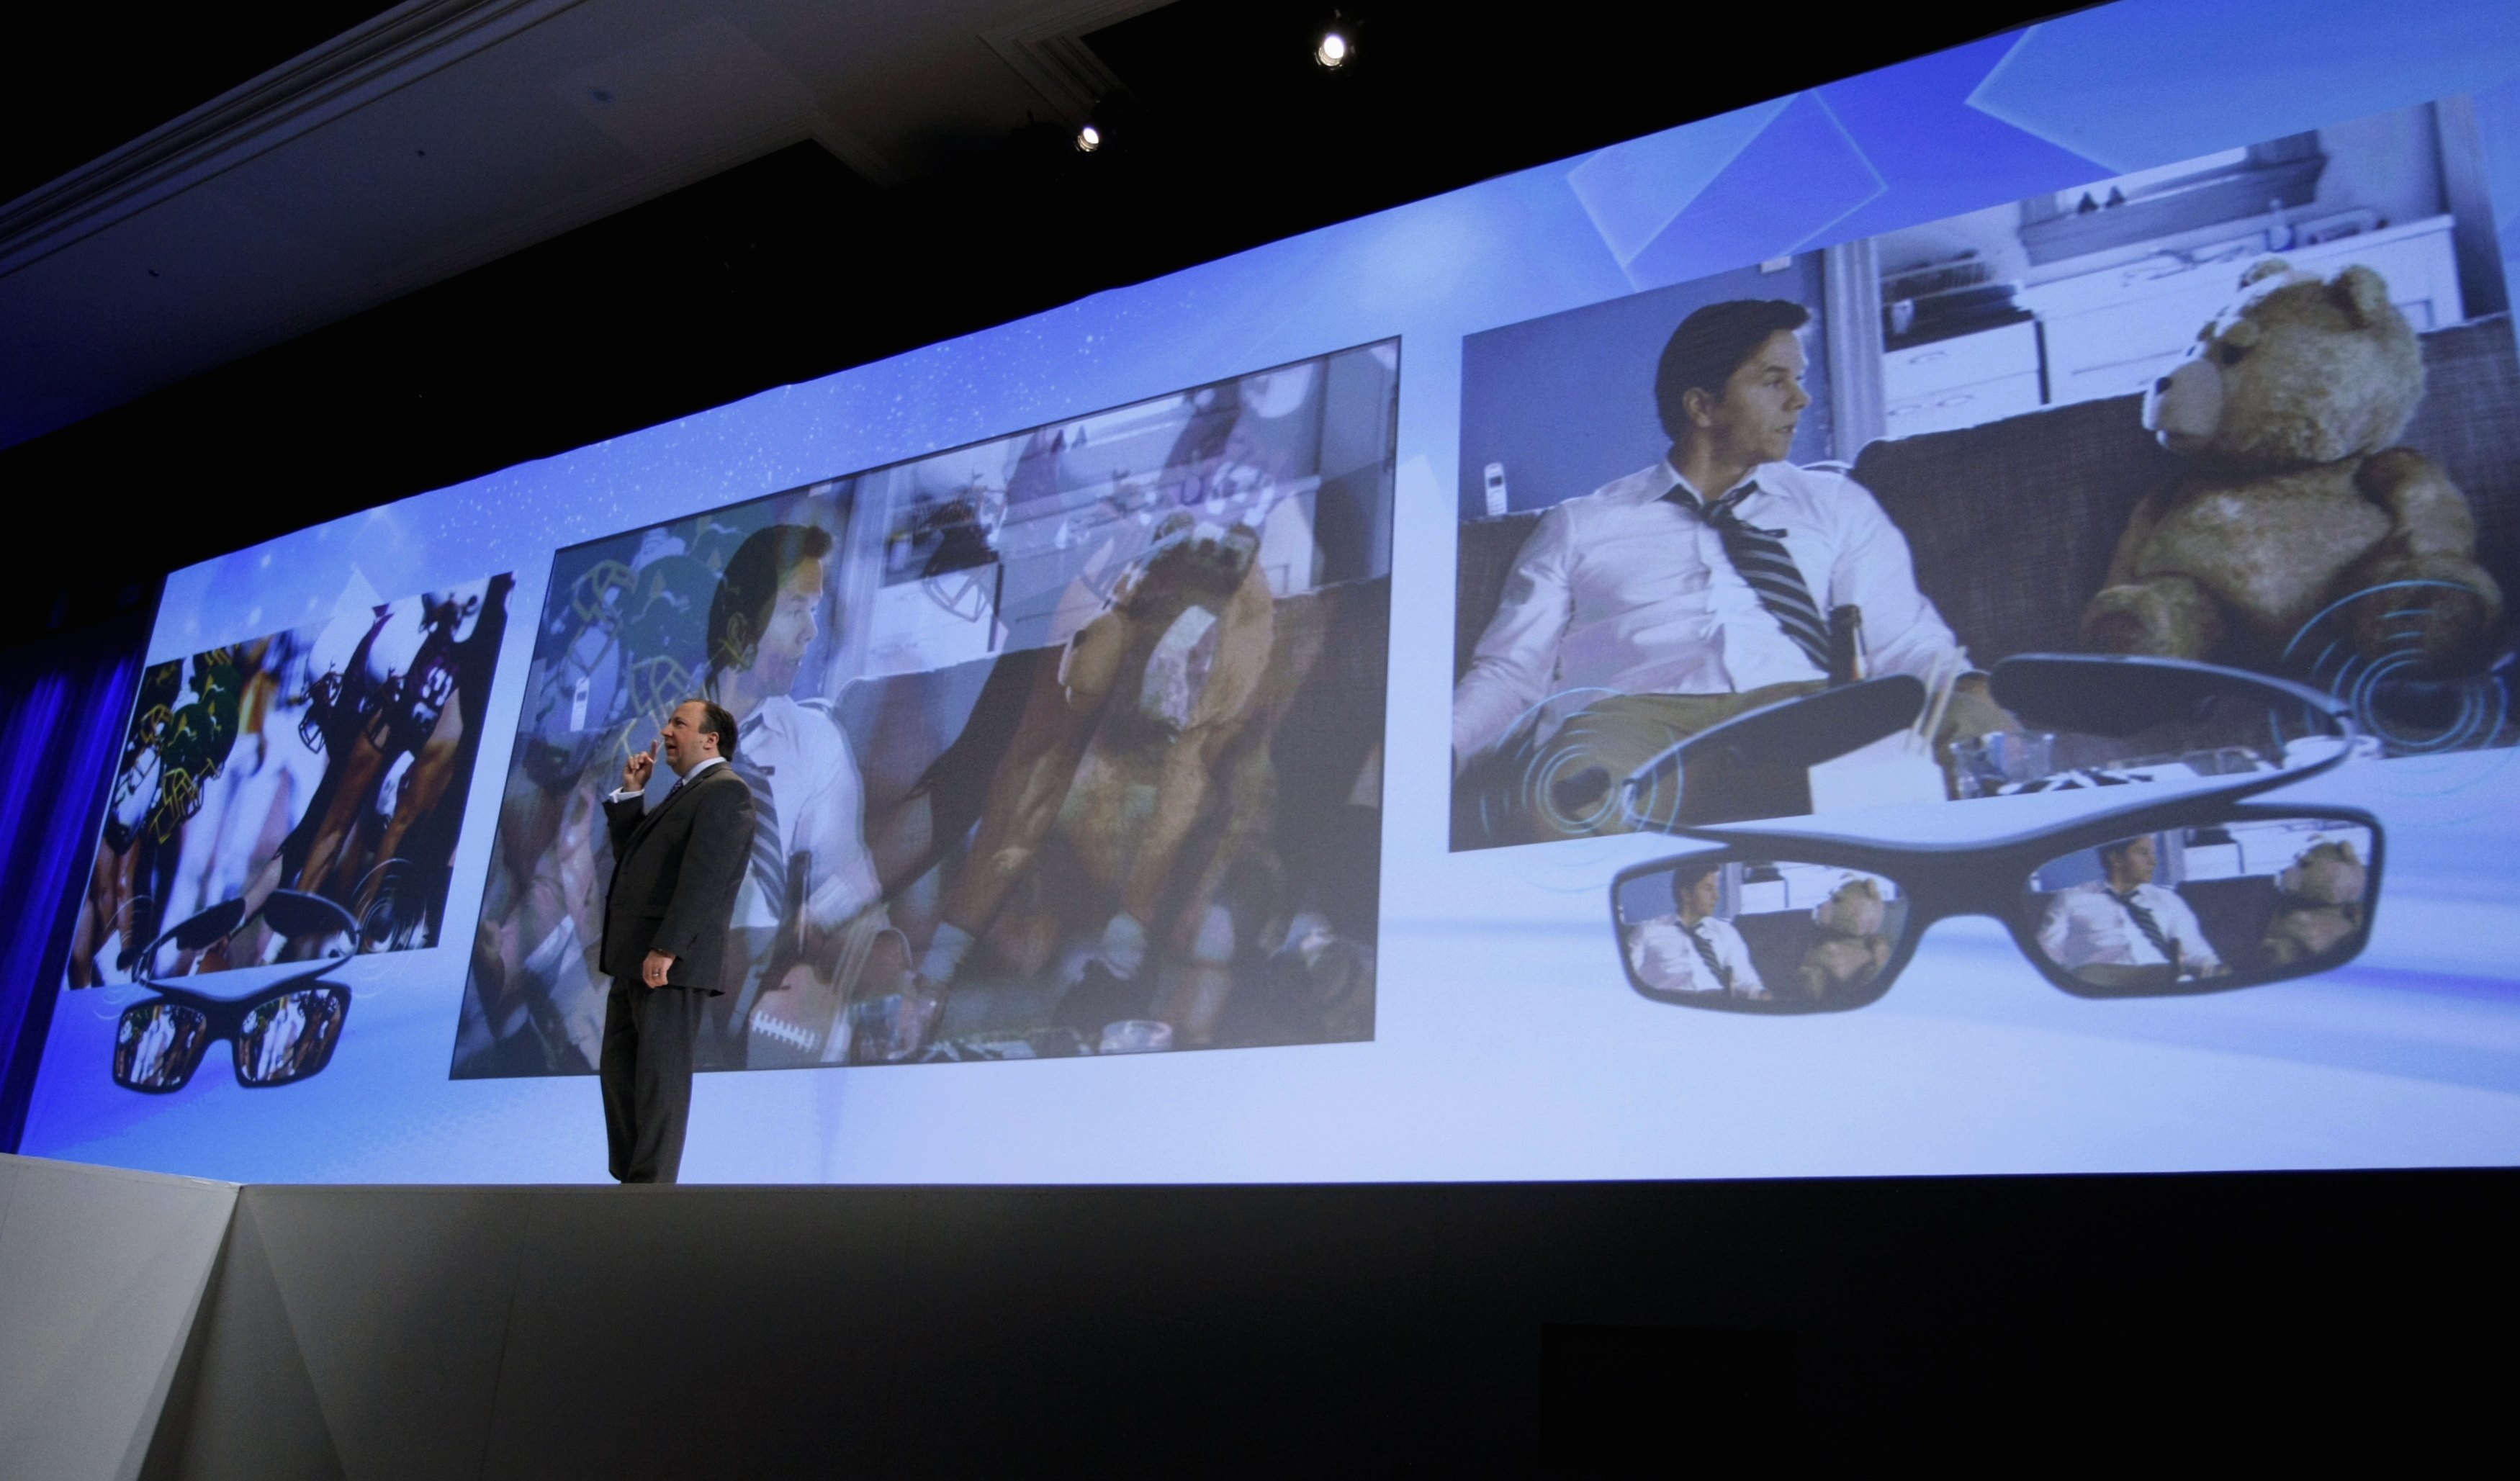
{"x": 2393, "y": 696}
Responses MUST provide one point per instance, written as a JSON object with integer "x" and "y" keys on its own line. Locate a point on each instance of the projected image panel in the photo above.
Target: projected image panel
{"x": 2257, "y": 408}
{"x": 294, "y": 797}
{"x": 1063, "y": 743}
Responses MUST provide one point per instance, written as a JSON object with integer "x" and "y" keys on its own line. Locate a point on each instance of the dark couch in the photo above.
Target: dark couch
{"x": 2013, "y": 523}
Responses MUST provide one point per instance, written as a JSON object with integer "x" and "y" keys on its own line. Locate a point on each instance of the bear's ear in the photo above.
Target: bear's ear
{"x": 2263, "y": 269}
{"x": 2362, "y": 293}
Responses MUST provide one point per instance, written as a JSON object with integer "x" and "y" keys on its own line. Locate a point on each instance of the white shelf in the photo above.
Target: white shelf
{"x": 1924, "y": 370}
{"x": 2114, "y": 332}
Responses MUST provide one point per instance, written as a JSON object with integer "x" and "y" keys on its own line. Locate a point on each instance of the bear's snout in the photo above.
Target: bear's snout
{"x": 2183, "y": 408}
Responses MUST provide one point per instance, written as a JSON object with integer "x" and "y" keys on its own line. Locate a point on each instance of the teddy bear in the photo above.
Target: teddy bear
{"x": 2322, "y": 903}
{"x": 1848, "y": 949}
{"x": 2293, "y": 497}
{"x": 1138, "y": 796}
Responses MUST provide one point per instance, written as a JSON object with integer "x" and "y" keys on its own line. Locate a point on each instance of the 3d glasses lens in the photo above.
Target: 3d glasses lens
{"x": 2192, "y": 909}
{"x": 290, "y": 1036}
{"x": 1760, "y": 935}
{"x": 156, "y": 1045}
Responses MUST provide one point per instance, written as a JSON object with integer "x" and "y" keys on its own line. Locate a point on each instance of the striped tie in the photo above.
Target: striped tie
{"x": 2145, "y": 922}
{"x": 768, "y": 862}
{"x": 1760, "y": 557}
{"x": 1706, "y": 954}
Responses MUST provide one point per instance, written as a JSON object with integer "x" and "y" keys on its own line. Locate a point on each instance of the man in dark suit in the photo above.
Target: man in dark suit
{"x": 675, "y": 873}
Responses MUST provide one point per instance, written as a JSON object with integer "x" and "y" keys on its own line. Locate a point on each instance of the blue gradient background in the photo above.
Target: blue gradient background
{"x": 1508, "y": 1045}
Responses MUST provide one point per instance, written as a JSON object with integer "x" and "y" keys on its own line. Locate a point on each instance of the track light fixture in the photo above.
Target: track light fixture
{"x": 1335, "y": 45}
{"x": 1108, "y": 125}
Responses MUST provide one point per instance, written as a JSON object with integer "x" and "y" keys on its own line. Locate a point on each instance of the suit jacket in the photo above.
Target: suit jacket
{"x": 675, "y": 874}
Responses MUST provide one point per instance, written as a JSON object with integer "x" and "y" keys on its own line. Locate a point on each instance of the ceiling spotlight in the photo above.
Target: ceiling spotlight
{"x": 1088, "y": 139}
{"x": 1335, "y": 49}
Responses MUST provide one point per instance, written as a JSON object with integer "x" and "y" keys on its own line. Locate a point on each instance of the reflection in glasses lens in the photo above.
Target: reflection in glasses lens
{"x": 287, "y": 1037}
{"x": 158, "y": 1043}
{"x": 2154, "y": 911}
{"x": 1785, "y": 936}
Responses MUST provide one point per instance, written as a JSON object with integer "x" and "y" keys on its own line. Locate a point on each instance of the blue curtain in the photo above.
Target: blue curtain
{"x": 63, "y": 706}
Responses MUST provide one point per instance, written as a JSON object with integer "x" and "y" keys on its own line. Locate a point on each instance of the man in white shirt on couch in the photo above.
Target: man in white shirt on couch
{"x": 2122, "y": 929}
{"x": 809, "y": 811}
{"x": 1693, "y": 950}
{"x": 1695, "y": 590}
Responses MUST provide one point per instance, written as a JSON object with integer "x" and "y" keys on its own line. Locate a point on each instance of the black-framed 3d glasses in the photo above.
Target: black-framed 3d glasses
{"x": 2150, "y": 891}
{"x": 2124, "y": 906}
{"x": 278, "y": 1036}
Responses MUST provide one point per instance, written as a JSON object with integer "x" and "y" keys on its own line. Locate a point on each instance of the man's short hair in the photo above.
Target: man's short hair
{"x": 716, "y": 720}
{"x": 1712, "y": 343}
{"x": 749, "y": 588}
{"x": 2116, "y": 848}
{"x": 1685, "y": 878}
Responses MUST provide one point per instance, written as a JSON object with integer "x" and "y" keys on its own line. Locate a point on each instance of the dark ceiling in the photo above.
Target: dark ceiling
{"x": 92, "y": 77}
{"x": 791, "y": 266}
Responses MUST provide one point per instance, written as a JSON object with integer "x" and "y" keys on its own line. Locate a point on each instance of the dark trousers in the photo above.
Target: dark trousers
{"x": 646, "y": 1076}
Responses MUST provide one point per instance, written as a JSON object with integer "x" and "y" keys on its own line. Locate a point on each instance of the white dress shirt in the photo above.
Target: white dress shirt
{"x": 2087, "y": 926}
{"x": 625, "y": 793}
{"x": 821, "y": 805}
{"x": 1626, "y": 590}
{"x": 1666, "y": 962}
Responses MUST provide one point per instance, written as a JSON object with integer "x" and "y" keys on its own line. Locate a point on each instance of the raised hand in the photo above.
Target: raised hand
{"x": 636, "y": 771}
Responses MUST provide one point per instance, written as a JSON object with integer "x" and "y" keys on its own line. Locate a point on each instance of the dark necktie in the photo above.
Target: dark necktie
{"x": 1706, "y": 954}
{"x": 1760, "y": 557}
{"x": 2145, "y": 922}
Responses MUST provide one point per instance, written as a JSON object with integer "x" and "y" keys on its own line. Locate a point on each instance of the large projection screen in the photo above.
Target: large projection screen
{"x": 1301, "y": 718}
